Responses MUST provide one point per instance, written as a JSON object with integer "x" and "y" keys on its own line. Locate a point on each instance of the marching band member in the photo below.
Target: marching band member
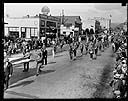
{"x": 81, "y": 48}
{"x": 27, "y": 55}
{"x": 71, "y": 51}
{"x": 39, "y": 63}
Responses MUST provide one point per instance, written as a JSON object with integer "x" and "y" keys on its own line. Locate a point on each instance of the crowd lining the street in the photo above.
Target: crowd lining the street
{"x": 120, "y": 72}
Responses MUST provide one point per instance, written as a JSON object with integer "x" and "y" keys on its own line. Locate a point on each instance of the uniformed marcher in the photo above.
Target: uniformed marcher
{"x": 81, "y": 48}
{"x": 40, "y": 62}
{"x": 71, "y": 51}
{"x": 91, "y": 52}
{"x": 26, "y": 64}
{"x": 8, "y": 71}
{"x": 44, "y": 51}
{"x": 74, "y": 49}
{"x": 86, "y": 47}
{"x": 96, "y": 49}
{"x": 53, "y": 48}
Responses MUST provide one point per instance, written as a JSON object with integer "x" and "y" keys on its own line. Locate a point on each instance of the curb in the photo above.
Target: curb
{"x": 50, "y": 52}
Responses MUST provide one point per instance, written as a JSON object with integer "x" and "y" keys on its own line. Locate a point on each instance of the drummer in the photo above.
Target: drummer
{"x": 26, "y": 56}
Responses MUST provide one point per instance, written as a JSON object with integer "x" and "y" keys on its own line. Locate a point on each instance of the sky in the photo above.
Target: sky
{"x": 84, "y": 10}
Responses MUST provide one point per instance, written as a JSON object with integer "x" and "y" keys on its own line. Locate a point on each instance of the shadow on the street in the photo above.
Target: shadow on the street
{"x": 94, "y": 58}
{"x": 112, "y": 55}
{"x": 47, "y": 71}
{"x": 24, "y": 83}
{"x": 79, "y": 56}
{"x": 103, "y": 87}
{"x": 22, "y": 94}
{"x": 18, "y": 65}
{"x": 98, "y": 54}
{"x": 85, "y": 53}
{"x": 51, "y": 62}
{"x": 20, "y": 75}
{"x": 58, "y": 55}
{"x": 102, "y": 50}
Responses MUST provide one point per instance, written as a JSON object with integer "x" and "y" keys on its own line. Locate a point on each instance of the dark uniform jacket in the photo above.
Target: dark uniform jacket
{"x": 8, "y": 70}
{"x": 40, "y": 60}
{"x": 44, "y": 53}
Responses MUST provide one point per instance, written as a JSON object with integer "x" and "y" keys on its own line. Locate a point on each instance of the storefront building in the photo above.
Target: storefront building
{"x": 49, "y": 26}
{"x": 32, "y": 26}
{"x": 71, "y": 25}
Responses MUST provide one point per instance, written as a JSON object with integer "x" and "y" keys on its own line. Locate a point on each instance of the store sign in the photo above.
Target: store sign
{"x": 52, "y": 18}
{"x": 43, "y": 16}
{"x": 48, "y": 17}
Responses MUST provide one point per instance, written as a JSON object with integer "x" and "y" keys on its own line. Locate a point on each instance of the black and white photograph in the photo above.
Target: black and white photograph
{"x": 65, "y": 50}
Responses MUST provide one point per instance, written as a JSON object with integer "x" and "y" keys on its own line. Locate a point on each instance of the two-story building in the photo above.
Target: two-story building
{"x": 32, "y": 26}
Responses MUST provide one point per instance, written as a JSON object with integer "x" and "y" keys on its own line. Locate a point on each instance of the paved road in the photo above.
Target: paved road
{"x": 62, "y": 78}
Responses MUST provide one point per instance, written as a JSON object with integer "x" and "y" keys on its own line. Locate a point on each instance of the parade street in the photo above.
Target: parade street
{"x": 64, "y": 51}
{"x": 63, "y": 78}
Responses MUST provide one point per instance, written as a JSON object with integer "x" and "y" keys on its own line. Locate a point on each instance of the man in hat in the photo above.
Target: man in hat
{"x": 8, "y": 70}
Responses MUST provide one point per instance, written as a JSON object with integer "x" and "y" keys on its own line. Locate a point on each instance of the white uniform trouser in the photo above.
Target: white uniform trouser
{"x": 53, "y": 53}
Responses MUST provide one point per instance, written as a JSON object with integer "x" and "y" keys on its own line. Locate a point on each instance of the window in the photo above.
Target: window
{"x": 14, "y": 29}
{"x": 51, "y": 24}
{"x": 28, "y": 33}
{"x": 32, "y": 32}
{"x": 22, "y": 29}
{"x": 36, "y": 32}
{"x": 42, "y": 23}
{"x": 64, "y": 33}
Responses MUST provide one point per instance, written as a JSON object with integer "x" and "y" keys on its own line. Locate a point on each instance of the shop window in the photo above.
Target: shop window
{"x": 14, "y": 35}
{"x": 51, "y": 24}
{"x": 22, "y": 29}
{"x": 28, "y": 33}
{"x": 32, "y": 32}
{"x": 42, "y": 23}
{"x": 36, "y": 32}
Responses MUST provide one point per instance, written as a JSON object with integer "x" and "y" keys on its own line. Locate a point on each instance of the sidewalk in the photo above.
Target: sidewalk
{"x": 49, "y": 49}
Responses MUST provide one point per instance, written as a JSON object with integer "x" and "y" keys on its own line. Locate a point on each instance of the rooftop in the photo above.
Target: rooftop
{"x": 71, "y": 19}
